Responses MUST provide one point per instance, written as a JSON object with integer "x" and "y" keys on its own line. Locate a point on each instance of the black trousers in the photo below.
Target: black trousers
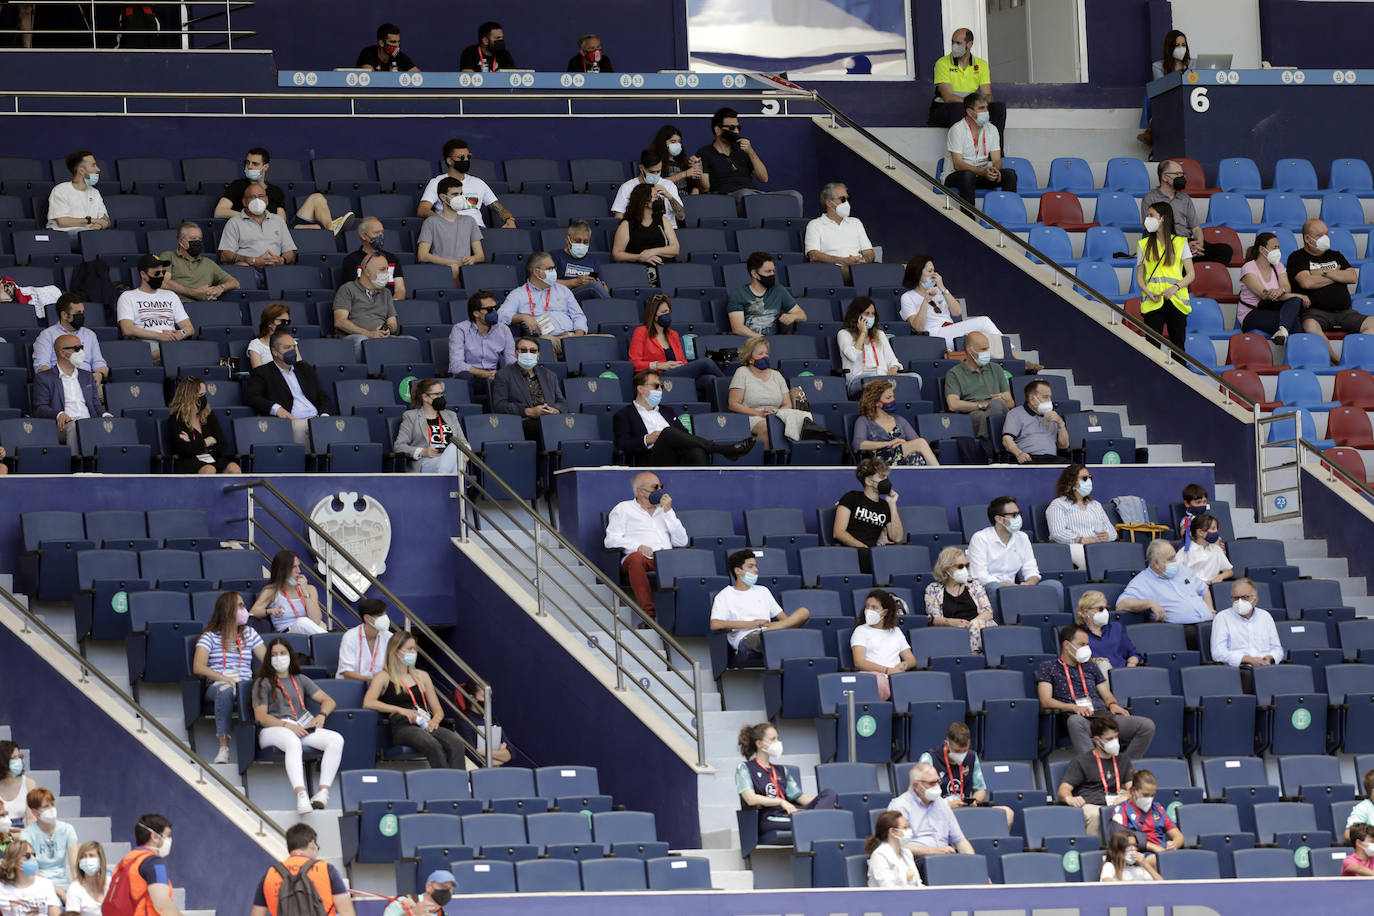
{"x": 1219, "y": 252}
{"x": 964, "y": 183}
{"x": 1168, "y": 315}
{"x": 673, "y": 447}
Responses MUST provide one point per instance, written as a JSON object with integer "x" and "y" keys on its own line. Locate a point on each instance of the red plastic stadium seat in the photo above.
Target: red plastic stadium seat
{"x": 1349, "y": 427}
{"x": 1253, "y": 352}
{"x": 1062, "y": 209}
{"x": 1225, "y": 235}
{"x": 1354, "y": 388}
{"x": 1213, "y": 281}
{"x": 1349, "y": 461}
{"x": 1249, "y": 384}
{"x": 1132, "y": 307}
{"x": 1197, "y": 181}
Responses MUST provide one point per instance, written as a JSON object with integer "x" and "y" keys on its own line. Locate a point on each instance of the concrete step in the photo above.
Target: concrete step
{"x": 732, "y": 880}
{"x": 722, "y": 860}
{"x": 1321, "y": 567}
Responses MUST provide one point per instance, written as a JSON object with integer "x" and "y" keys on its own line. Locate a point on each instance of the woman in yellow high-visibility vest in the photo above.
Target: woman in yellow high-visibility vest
{"x": 1163, "y": 272}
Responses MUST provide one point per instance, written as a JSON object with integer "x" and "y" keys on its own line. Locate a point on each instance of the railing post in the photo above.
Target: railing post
{"x": 538, "y": 572}
{"x": 486, "y": 722}
{"x": 94, "y": 40}
{"x": 619, "y": 647}
{"x": 696, "y": 714}
{"x": 252, "y": 528}
{"x": 853, "y": 735}
{"x": 329, "y": 584}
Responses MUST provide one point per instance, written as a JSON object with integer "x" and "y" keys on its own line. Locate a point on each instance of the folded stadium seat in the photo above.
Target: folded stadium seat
{"x": 713, "y": 211}
{"x": 34, "y": 447}
{"x": 1240, "y": 174}
{"x": 499, "y": 440}
{"x": 1351, "y": 176}
{"x": 1267, "y": 863}
{"x": 1301, "y": 388}
{"x": 520, "y": 170}
{"x": 792, "y": 660}
{"x": 1102, "y": 277}
{"x": 1293, "y": 713}
{"x": 389, "y": 206}
{"x": 1309, "y": 352}
{"x": 697, "y": 281}
{"x": 1119, "y": 210}
{"x": 268, "y": 444}
{"x": 824, "y": 280}
{"x": 878, "y": 279}
{"x": 1289, "y": 825}
{"x": 404, "y": 174}
{"x": 1072, "y": 174}
{"x": 1207, "y": 319}
{"x": 586, "y": 170}
{"x": 1062, "y": 208}
{"x": 627, "y": 281}
{"x": 1008, "y": 718}
{"x": 1033, "y": 868}
{"x": 1225, "y": 235}
{"x": 692, "y": 240}
{"x": 758, "y": 207}
{"x": 342, "y": 445}
{"x": 1357, "y": 351}
{"x": 43, "y": 248}
{"x": 109, "y": 445}
{"x": 1007, "y": 208}
{"x": 1252, "y": 352}
{"x": 343, "y": 175}
{"x": 1054, "y": 828}
{"x": 832, "y": 722}
{"x": 1249, "y": 384}
{"x": 1350, "y": 689}
{"x": 117, "y": 527}
{"x": 1126, "y": 173}
{"x": 593, "y": 208}
{"x": 1054, "y": 243}
{"x": 1349, "y": 427}
{"x": 1232, "y": 209}
{"x": 1296, "y": 176}
{"x": 484, "y": 877}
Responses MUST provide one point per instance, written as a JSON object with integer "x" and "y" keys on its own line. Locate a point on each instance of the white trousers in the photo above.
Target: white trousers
{"x": 321, "y": 739}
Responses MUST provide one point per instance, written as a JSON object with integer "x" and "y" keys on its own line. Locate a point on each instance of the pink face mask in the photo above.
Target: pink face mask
{"x": 242, "y": 616}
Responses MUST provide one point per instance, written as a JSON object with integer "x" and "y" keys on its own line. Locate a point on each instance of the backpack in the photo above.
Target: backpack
{"x": 119, "y": 898}
{"x": 297, "y": 895}
{"x": 92, "y": 280}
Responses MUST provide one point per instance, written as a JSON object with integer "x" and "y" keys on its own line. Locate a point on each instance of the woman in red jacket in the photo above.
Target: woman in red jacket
{"x": 655, "y": 345}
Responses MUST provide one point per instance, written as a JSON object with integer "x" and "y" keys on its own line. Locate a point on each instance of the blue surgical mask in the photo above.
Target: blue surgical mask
{"x": 93, "y": 180}
{"x": 869, "y": 321}
{"x": 674, "y": 149}
{"x": 1085, "y": 487}
{"x": 1171, "y": 569}
{"x": 655, "y": 397}
{"x": 983, "y": 357}
{"x": 550, "y": 276}
{"x": 253, "y": 174}
{"x": 1014, "y": 525}
{"x": 408, "y": 658}
{"x": 982, "y": 118}
{"x": 16, "y": 767}
{"x": 29, "y": 867}
{"x": 761, "y": 363}
{"x": 749, "y": 578}
{"x": 290, "y": 357}
{"x": 527, "y": 360}
{"x": 579, "y": 249}
{"x": 928, "y": 282}
{"x": 652, "y": 177}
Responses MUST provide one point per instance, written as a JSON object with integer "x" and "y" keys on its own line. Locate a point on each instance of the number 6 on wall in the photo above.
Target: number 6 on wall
{"x": 1198, "y": 99}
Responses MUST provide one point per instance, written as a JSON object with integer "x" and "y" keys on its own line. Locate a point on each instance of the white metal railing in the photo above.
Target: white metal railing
{"x": 190, "y": 27}
{"x": 1280, "y": 458}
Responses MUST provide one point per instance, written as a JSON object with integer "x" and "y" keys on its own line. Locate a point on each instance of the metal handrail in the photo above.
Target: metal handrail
{"x": 1316, "y": 454}
{"x": 412, "y": 621}
{"x": 229, "y": 33}
{"x": 618, "y": 596}
{"x": 142, "y": 714}
{"x": 1170, "y": 349}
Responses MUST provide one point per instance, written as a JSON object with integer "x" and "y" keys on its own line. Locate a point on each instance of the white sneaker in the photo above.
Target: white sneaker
{"x": 1280, "y": 335}
{"x": 341, "y": 223}
{"x": 320, "y": 799}
{"x": 223, "y": 755}
{"x": 303, "y": 805}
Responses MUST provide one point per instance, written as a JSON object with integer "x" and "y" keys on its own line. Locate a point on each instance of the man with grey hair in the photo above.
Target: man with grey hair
{"x": 640, "y": 528}
{"x": 835, "y": 237}
{"x": 364, "y": 309}
{"x": 577, "y": 269}
{"x": 1167, "y": 590}
{"x": 933, "y": 828}
{"x": 1243, "y": 634}
{"x": 372, "y": 240}
{"x": 589, "y": 57}
{"x": 190, "y": 276}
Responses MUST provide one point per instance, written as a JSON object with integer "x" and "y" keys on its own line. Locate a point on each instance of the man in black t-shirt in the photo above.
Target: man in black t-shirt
{"x": 589, "y": 57}
{"x": 386, "y": 54}
{"x": 862, "y": 516}
{"x": 372, "y": 237}
{"x": 1099, "y": 778}
{"x": 731, "y": 165}
{"x": 489, "y": 55}
{"x": 313, "y": 212}
{"x": 1324, "y": 276}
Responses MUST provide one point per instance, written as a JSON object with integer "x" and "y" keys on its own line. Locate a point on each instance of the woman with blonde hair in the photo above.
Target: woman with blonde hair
{"x": 407, "y": 695}
{"x": 193, "y": 430}
{"x": 23, "y": 891}
{"x": 956, "y": 599}
{"x": 1110, "y": 644}
{"x": 87, "y": 892}
{"x": 758, "y": 390}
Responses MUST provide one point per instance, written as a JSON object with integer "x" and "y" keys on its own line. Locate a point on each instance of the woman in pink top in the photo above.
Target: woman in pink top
{"x": 1267, "y": 301}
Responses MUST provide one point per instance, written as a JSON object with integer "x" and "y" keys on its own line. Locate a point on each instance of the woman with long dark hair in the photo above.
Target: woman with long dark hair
{"x": 1163, "y": 272}
{"x": 290, "y": 602}
{"x": 1125, "y": 862}
{"x": 890, "y": 864}
{"x": 678, "y": 167}
{"x": 1268, "y": 303}
{"x": 657, "y": 346}
{"x": 878, "y": 644}
{"x": 644, "y": 236}
{"x": 1176, "y": 56}
{"x": 224, "y": 658}
{"x": 279, "y": 706}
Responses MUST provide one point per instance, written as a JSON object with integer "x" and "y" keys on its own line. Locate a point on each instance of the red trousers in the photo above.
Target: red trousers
{"x": 637, "y": 567}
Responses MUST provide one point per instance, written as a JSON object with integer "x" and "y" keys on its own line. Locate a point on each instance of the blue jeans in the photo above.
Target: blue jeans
{"x": 224, "y": 697}
{"x": 446, "y": 463}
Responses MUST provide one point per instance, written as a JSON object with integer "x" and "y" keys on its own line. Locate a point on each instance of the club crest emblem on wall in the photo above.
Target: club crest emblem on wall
{"x": 361, "y": 526}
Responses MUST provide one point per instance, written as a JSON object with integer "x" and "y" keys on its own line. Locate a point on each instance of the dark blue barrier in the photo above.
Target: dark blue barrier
{"x": 585, "y": 493}
{"x": 1327, "y": 514}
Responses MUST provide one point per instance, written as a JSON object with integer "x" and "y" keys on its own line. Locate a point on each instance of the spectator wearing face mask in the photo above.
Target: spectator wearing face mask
{"x": 364, "y": 308}
{"x": 762, "y": 306}
{"x": 22, "y": 889}
{"x": 303, "y": 846}
{"x": 1268, "y": 304}
{"x": 489, "y": 55}
{"x": 835, "y": 237}
{"x": 386, "y": 55}
{"x": 406, "y": 696}
{"x": 1360, "y": 863}
{"x": 1194, "y": 499}
{"x": 287, "y": 387}
{"x": 255, "y": 236}
{"x": 1163, "y": 272}
{"x": 145, "y": 870}
{"x": 1167, "y": 590}
{"x": 1000, "y": 555}
{"x": 954, "y": 598}
{"x": 641, "y": 528}
{"x": 15, "y": 787}
{"x": 429, "y": 432}
{"x": 1325, "y": 276}
{"x": 977, "y": 386}
{"x": 974, "y": 145}
{"x": 1036, "y": 433}
{"x": 86, "y": 893}
{"x": 437, "y": 894}
{"x": 288, "y": 600}
{"x": 759, "y": 391}
{"x": 957, "y": 75}
{"x": 76, "y": 205}
{"x": 191, "y": 276}
{"x": 543, "y": 306}
{"x": 447, "y": 238}
{"x": 1186, "y": 222}
{"x": 679, "y": 168}
{"x": 879, "y": 432}
{"x": 279, "y": 694}
{"x": 1244, "y": 633}
{"x": 53, "y": 841}
{"x": 1125, "y": 862}
{"x": 1141, "y": 814}
{"x": 575, "y": 268}
{"x": 645, "y": 236}
{"x": 1363, "y": 812}
{"x": 194, "y": 436}
{"x": 878, "y": 644}
{"x": 645, "y": 434}
{"x": 731, "y": 165}
{"x": 590, "y": 58}
{"x": 457, "y": 157}
{"x": 1203, "y": 552}
{"x": 372, "y": 240}
{"x": 1110, "y": 643}
{"x": 865, "y": 352}
{"x": 150, "y": 312}
{"x": 868, "y": 518}
{"x": 745, "y": 610}
{"x": 889, "y": 863}
{"x": 1070, "y": 685}
{"x": 481, "y": 345}
{"x": 527, "y": 389}
{"x": 313, "y": 213}
{"x": 1174, "y": 58}
{"x": 651, "y": 166}
{"x": 655, "y": 345}
{"x": 769, "y": 788}
{"x": 1100, "y": 776}
{"x": 961, "y": 773}
{"x": 71, "y": 319}
{"x": 69, "y": 393}
{"x": 362, "y": 651}
{"x": 934, "y": 830}
{"x": 223, "y": 659}
{"x": 1074, "y": 517}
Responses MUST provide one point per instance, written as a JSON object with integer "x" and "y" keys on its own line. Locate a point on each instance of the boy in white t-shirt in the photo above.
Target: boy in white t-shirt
{"x": 745, "y": 611}
{"x": 150, "y": 312}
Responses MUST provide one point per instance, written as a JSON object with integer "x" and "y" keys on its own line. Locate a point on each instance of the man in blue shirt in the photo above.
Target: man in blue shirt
{"x": 1167, "y": 590}
{"x": 543, "y": 306}
{"x": 481, "y": 345}
{"x": 934, "y": 830}
{"x": 576, "y": 271}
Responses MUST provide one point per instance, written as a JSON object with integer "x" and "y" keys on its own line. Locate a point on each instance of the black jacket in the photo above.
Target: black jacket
{"x": 267, "y": 386}
{"x": 630, "y": 430}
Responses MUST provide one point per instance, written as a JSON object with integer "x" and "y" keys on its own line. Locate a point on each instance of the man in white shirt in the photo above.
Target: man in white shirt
{"x": 1001, "y": 554}
{"x": 640, "y": 528}
{"x": 651, "y": 173}
{"x": 362, "y": 652}
{"x": 71, "y": 319}
{"x": 835, "y": 237}
{"x": 458, "y": 159}
{"x": 76, "y": 205}
{"x": 150, "y": 312}
{"x": 745, "y": 610}
{"x": 975, "y": 152}
{"x": 1244, "y": 633}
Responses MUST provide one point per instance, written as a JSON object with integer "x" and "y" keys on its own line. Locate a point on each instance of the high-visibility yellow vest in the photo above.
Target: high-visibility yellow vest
{"x": 1160, "y": 276}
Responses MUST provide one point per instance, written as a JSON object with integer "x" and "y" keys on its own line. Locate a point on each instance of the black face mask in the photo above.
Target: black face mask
{"x": 202, "y": 402}
{"x": 195, "y": 247}
{"x": 768, "y": 281}
{"x": 461, "y": 163}
{"x": 884, "y": 487}
{"x": 441, "y": 895}
{"x": 1180, "y": 182}
{"x": 77, "y": 321}
{"x": 439, "y": 403}
{"x": 730, "y": 136}
{"x": 498, "y": 44}
{"x": 156, "y": 282}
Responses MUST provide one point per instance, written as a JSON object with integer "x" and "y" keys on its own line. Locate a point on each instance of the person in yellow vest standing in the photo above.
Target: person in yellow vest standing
{"x": 958, "y": 74}
{"x": 304, "y": 846}
{"x": 1163, "y": 272}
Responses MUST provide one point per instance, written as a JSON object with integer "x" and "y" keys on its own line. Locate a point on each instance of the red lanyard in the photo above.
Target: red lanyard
{"x": 956, "y": 787}
{"x": 423, "y": 702}
{"x": 874, "y": 344}
{"x": 300, "y": 696}
{"x": 481, "y": 61}
{"x": 982, "y": 135}
{"x": 1101, "y": 774}
{"x": 773, "y": 778}
{"x": 224, "y": 652}
{"x": 300, "y": 595}
{"x": 362, "y": 642}
{"x": 1069, "y": 681}
{"x": 529, "y": 293}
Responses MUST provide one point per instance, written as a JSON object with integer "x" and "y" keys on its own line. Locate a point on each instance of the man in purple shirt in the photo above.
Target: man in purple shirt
{"x": 477, "y": 347}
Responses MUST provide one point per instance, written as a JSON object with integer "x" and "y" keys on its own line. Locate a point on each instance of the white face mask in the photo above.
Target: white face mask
{"x": 1322, "y": 242}
{"x": 956, "y": 49}
{"x": 382, "y": 622}
{"x": 872, "y": 617}
{"x": 90, "y": 865}
{"x": 957, "y": 756}
{"x": 842, "y": 210}
{"x": 1152, "y": 224}
{"x": 77, "y": 359}
{"x": 1044, "y": 407}
{"x": 48, "y": 815}
{"x": 457, "y": 202}
{"x": 257, "y": 206}
{"x": 961, "y": 576}
{"x": 932, "y": 793}
{"x": 774, "y": 749}
{"x": 1130, "y": 857}
{"x": 1242, "y": 607}
{"x": 1369, "y": 850}
{"x": 281, "y": 663}
{"x": 1180, "y": 53}
{"x": 1112, "y": 747}
{"x": 1082, "y": 654}
{"x": 1102, "y": 618}
{"x": 1273, "y": 255}
{"x": 1145, "y": 802}
{"x": 901, "y": 835}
